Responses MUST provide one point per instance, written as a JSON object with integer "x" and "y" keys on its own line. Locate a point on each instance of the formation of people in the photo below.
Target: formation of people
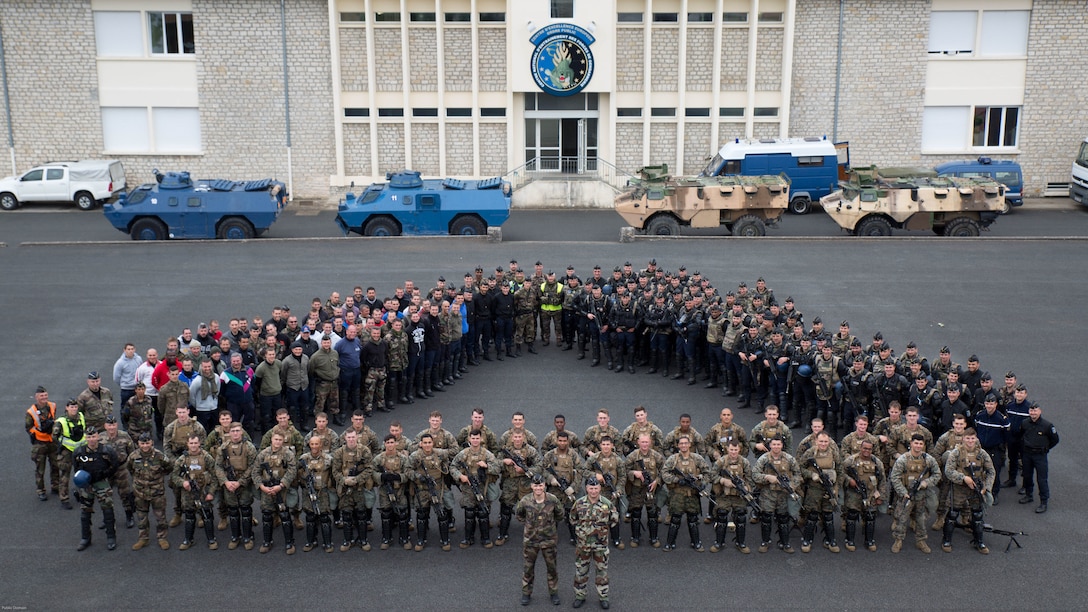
{"x": 885, "y": 432}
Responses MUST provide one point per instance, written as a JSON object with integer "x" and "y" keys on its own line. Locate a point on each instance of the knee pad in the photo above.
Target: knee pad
{"x": 852, "y": 515}
{"x": 675, "y": 519}
{"x": 739, "y": 515}
{"x": 953, "y": 515}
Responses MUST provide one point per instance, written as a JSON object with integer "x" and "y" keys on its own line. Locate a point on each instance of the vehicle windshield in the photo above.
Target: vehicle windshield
{"x": 1082, "y": 157}
{"x": 711, "y": 168}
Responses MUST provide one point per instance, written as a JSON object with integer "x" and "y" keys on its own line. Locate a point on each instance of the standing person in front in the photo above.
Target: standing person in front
{"x": 196, "y": 478}
{"x": 910, "y": 468}
{"x": 149, "y": 468}
{"x": 99, "y": 463}
{"x": 68, "y": 433}
{"x": 541, "y": 512}
{"x": 1037, "y": 436}
{"x": 971, "y": 471}
{"x": 592, "y": 516}
{"x": 40, "y": 419}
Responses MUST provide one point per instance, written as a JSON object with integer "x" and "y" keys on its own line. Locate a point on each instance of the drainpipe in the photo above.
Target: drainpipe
{"x": 286, "y": 101}
{"x": 838, "y": 75}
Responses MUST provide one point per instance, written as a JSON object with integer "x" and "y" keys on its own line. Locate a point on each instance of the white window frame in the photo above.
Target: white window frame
{"x": 942, "y": 124}
{"x": 143, "y": 138}
{"x": 981, "y": 38}
{"x": 114, "y": 27}
{"x": 1001, "y": 129}
{"x": 180, "y": 34}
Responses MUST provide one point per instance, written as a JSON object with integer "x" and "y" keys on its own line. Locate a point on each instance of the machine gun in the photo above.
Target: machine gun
{"x": 517, "y": 459}
{"x": 270, "y": 482}
{"x": 688, "y": 480}
{"x": 784, "y": 482}
{"x": 311, "y": 486}
{"x": 861, "y": 487}
{"x": 475, "y": 483}
{"x": 742, "y": 490}
{"x": 608, "y": 480}
{"x": 825, "y": 480}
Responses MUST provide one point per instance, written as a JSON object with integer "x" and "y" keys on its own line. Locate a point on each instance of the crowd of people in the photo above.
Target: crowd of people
{"x": 245, "y": 414}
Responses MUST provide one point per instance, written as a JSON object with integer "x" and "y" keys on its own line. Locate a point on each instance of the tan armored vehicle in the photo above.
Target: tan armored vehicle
{"x": 659, "y": 204}
{"x": 873, "y": 201}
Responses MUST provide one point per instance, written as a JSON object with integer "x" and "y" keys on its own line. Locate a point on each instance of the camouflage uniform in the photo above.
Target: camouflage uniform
{"x": 352, "y": 471}
{"x": 330, "y": 441}
{"x": 367, "y": 438}
{"x": 809, "y": 442}
{"x": 240, "y": 458}
{"x": 173, "y": 394}
{"x": 570, "y": 467}
{"x": 477, "y": 511}
{"x": 423, "y": 469}
{"x": 141, "y": 417}
{"x": 277, "y": 467}
{"x": 514, "y": 485}
{"x": 819, "y": 504}
{"x": 121, "y": 480}
{"x": 948, "y": 441}
{"x": 613, "y": 471}
{"x": 683, "y": 499}
{"x": 526, "y": 303}
{"x": 719, "y": 436}
{"x": 100, "y": 462}
{"x": 541, "y": 535}
{"x": 324, "y": 366}
{"x": 640, "y": 496}
{"x": 729, "y": 501}
{"x": 149, "y": 471}
{"x": 200, "y": 471}
{"x": 291, "y": 438}
{"x": 764, "y": 433}
{"x": 43, "y": 449}
{"x": 530, "y": 440}
{"x": 591, "y": 440}
{"x": 316, "y": 481}
{"x": 851, "y": 444}
{"x": 592, "y": 522}
{"x": 391, "y": 476}
{"x": 488, "y": 439}
{"x": 629, "y": 441}
{"x": 870, "y": 473}
{"x": 548, "y": 443}
{"x": 396, "y": 383}
{"x": 906, "y": 470}
{"x": 698, "y": 443}
{"x": 174, "y": 445}
{"x": 96, "y": 406}
{"x": 959, "y": 464}
{"x": 443, "y": 440}
{"x": 774, "y": 498}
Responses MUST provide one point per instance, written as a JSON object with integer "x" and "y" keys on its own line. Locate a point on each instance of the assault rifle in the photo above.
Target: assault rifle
{"x": 195, "y": 490}
{"x": 608, "y": 480}
{"x": 387, "y": 487}
{"x": 475, "y": 483}
{"x": 311, "y": 486}
{"x": 978, "y": 487}
{"x": 784, "y": 482}
{"x": 861, "y": 488}
{"x": 825, "y": 480}
{"x": 436, "y": 499}
{"x": 518, "y": 461}
{"x": 231, "y": 474}
{"x": 742, "y": 490}
{"x": 688, "y": 480}
{"x": 917, "y": 484}
{"x": 273, "y": 482}
{"x": 858, "y": 409}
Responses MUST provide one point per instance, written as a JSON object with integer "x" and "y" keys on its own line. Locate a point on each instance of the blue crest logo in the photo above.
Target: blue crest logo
{"x": 562, "y": 62}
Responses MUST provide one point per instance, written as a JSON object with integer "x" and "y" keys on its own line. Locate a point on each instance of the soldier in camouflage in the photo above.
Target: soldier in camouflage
{"x": 592, "y": 517}
{"x": 316, "y": 481}
{"x": 149, "y": 469}
{"x": 971, "y": 471}
{"x": 611, "y": 471}
{"x": 175, "y": 444}
{"x": 396, "y": 342}
{"x": 429, "y": 469}
{"x": 774, "y": 496}
{"x": 141, "y": 412}
{"x": 195, "y": 475}
{"x": 731, "y": 506}
{"x": 908, "y": 468}
{"x": 67, "y": 436}
{"x": 644, "y": 489}
{"x": 274, "y": 470}
{"x": 564, "y": 469}
{"x": 592, "y": 438}
{"x": 236, "y": 459}
{"x": 541, "y": 513}
{"x": 352, "y": 472}
{"x": 865, "y": 491}
{"x": 549, "y": 441}
{"x": 95, "y": 402}
{"x": 820, "y": 464}
{"x": 722, "y": 433}
{"x": 526, "y": 305}
{"x": 515, "y": 478}
{"x": 642, "y": 425}
{"x": 768, "y": 429}
{"x": 100, "y": 462}
{"x": 475, "y": 468}
{"x": 678, "y": 472}
{"x": 489, "y": 440}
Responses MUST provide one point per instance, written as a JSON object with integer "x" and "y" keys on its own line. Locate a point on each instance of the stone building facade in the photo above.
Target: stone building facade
{"x": 447, "y": 87}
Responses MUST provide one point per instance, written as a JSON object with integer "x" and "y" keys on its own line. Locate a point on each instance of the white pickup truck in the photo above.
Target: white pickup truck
{"x": 84, "y": 182}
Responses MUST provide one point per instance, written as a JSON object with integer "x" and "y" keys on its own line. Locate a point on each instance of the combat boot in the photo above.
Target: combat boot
{"x": 532, "y": 348}
{"x": 713, "y": 380}
{"x": 651, "y": 526}
{"x": 469, "y": 536}
{"x": 719, "y": 536}
{"x": 387, "y": 529}
{"x": 84, "y": 530}
{"x": 829, "y": 532}
{"x": 422, "y": 525}
{"x": 235, "y": 528}
{"x": 444, "y": 531}
{"x": 190, "y": 532}
{"x": 510, "y": 352}
{"x": 979, "y": 529}
{"x": 141, "y": 543}
{"x": 418, "y": 384}
{"x": 403, "y": 523}
{"x": 288, "y": 533}
{"x": 484, "y": 523}
{"x": 851, "y": 531}
{"x": 349, "y": 527}
{"x": 630, "y": 364}
{"x": 609, "y": 354}
{"x": 730, "y": 383}
{"x": 595, "y": 349}
{"x": 581, "y": 348}
{"x": 653, "y": 363}
{"x": 681, "y": 368}
{"x": 311, "y": 533}
{"x": 691, "y": 372}
{"x": 498, "y": 352}
{"x": 403, "y": 397}
{"x": 614, "y": 534}
{"x": 636, "y": 530}
{"x": 949, "y": 528}
{"x": 436, "y": 379}
{"x": 784, "y": 533}
{"x": 326, "y": 532}
{"x": 296, "y": 521}
{"x": 247, "y": 527}
{"x": 870, "y": 534}
{"x": 807, "y": 534}
{"x": 175, "y": 520}
{"x": 674, "y": 530}
{"x": 922, "y": 546}
{"x": 359, "y": 521}
{"x": 897, "y": 545}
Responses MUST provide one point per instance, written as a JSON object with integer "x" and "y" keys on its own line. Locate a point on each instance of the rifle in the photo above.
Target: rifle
{"x": 880, "y": 399}
{"x": 273, "y": 482}
{"x": 745, "y": 494}
{"x": 608, "y": 480}
{"x": 474, "y": 482}
{"x": 387, "y": 487}
{"x": 689, "y": 481}
{"x": 829, "y": 487}
{"x": 978, "y": 488}
{"x": 861, "y": 488}
{"x": 436, "y": 499}
{"x": 231, "y": 474}
{"x": 564, "y": 484}
{"x": 784, "y": 482}
{"x": 853, "y": 398}
{"x": 518, "y": 461}
{"x": 311, "y": 487}
{"x": 917, "y": 484}
{"x": 647, "y": 475}
{"x": 195, "y": 490}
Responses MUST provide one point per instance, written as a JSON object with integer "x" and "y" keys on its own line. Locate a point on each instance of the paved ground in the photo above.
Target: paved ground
{"x": 71, "y": 307}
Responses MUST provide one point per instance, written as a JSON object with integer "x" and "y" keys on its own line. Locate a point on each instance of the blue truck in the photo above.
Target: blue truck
{"x": 814, "y": 165}
{"x": 407, "y": 204}
{"x": 1006, "y": 172}
{"x": 177, "y": 206}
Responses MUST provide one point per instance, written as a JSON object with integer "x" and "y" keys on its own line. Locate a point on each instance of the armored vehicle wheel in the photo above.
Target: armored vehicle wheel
{"x": 8, "y": 201}
{"x": 873, "y": 226}
{"x": 381, "y": 226}
{"x": 467, "y": 226}
{"x": 1006, "y": 208}
{"x": 800, "y": 205}
{"x": 235, "y": 229}
{"x": 148, "y": 229}
{"x": 85, "y": 201}
{"x": 962, "y": 226}
{"x": 749, "y": 226}
{"x": 663, "y": 225}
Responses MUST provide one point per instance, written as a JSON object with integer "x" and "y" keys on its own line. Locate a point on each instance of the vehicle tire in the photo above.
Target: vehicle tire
{"x": 663, "y": 225}
{"x": 800, "y": 205}
{"x": 1006, "y": 208}
{"x": 962, "y": 227}
{"x": 381, "y": 226}
{"x": 749, "y": 226}
{"x": 8, "y": 201}
{"x": 85, "y": 201}
{"x": 467, "y": 225}
{"x": 148, "y": 229}
{"x": 235, "y": 229}
{"x": 873, "y": 226}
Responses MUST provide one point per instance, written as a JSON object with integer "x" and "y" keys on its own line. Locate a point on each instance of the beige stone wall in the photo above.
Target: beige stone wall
{"x": 700, "y": 59}
{"x": 423, "y": 58}
{"x": 459, "y": 149}
{"x": 353, "y": 64}
{"x": 630, "y": 74}
{"x": 769, "y": 59}
{"x": 458, "y": 59}
{"x": 388, "y": 60}
{"x": 662, "y": 143}
{"x": 629, "y": 146}
{"x": 812, "y": 99}
{"x": 357, "y": 149}
{"x": 425, "y": 148}
{"x": 697, "y": 146}
{"x": 493, "y": 157}
{"x": 664, "y": 62}
{"x": 492, "y": 43}
{"x": 734, "y": 76}
{"x": 390, "y": 147}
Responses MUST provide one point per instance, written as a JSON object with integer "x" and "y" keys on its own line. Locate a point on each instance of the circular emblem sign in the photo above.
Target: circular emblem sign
{"x": 562, "y": 62}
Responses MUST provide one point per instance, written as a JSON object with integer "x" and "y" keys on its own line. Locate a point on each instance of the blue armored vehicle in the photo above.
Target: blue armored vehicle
{"x": 410, "y": 205}
{"x": 176, "y": 206}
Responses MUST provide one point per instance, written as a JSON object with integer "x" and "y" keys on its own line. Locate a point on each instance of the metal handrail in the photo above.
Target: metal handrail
{"x": 561, "y": 166}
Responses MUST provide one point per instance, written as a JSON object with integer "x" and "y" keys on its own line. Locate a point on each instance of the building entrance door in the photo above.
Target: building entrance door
{"x": 561, "y": 133}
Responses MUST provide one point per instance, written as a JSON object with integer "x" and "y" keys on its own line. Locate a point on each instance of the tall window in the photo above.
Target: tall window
{"x": 996, "y": 126}
{"x": 171, "y": 33}
{"x": 562, "y": 9}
